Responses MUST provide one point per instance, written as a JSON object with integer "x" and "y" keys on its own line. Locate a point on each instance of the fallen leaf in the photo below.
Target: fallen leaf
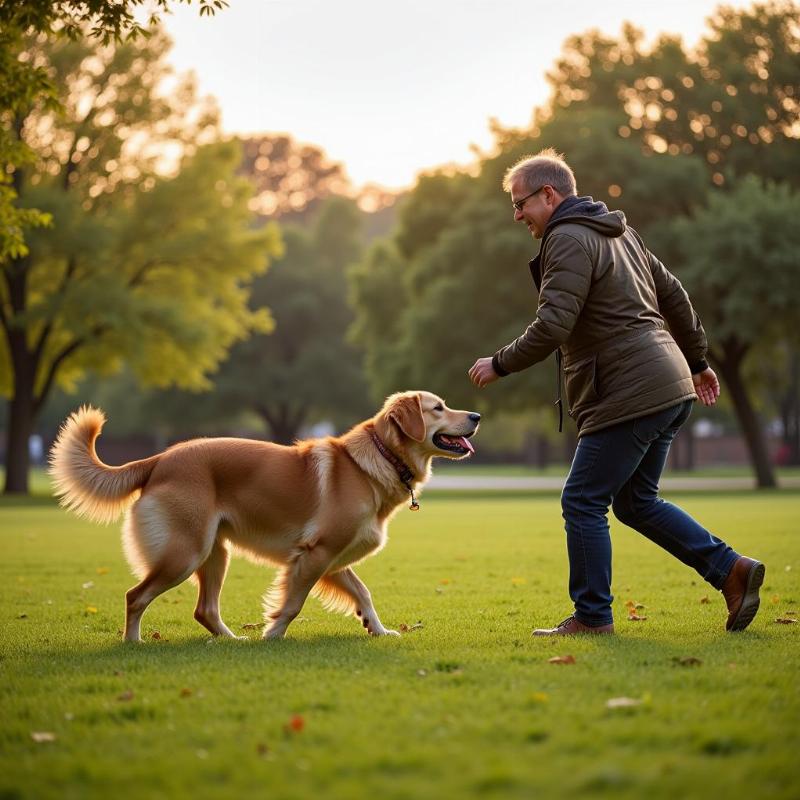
{"x": 262, "y": 749}
{"x": 444, "y": 581}
{"x": 540, "y": 697}
{"x": 634, "y": 617}
{"x": 786, "y": 620}
{"x": 249, "y": 626}
{"x": 42, "y": 736}
{"x": 561, "y": 660}
{"x": 91, "y": 609}
{"x": 623, "y": 702}
{"x": 22, "y": 616}
{"x": 186, "y": 692}
{"x": 518, "y": 581}
{"x": 422, "y": 672}
{"x": 439, "y": 590}
{"x": 155, "y": 635}
{"x": 775, "y": 599}
{"x": 102, "y": 570}
{"x": 125, "y": 696}
{"x": 295, "y": 724}
{"x": 87, "y": 585}
{"x": 687, "y": 661}
{"x": 403, "y": 628}
{"x": 704, "y": 600}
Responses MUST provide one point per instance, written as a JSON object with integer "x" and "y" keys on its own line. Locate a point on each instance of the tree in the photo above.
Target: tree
{"x": 25, "y": 83}
{"x": 304, "y": 370}
{"x": 739, "y": 262}
{"x": 290, "y": 178}
{"x": 139, "y": 267}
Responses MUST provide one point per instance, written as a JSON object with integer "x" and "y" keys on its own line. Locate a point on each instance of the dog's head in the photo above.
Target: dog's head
{"x": 422, "y": 422}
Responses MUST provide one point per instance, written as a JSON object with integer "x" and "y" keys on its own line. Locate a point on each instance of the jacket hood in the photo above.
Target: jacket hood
{"x": 588, "y": 212}
{"x": 581, "y": 211}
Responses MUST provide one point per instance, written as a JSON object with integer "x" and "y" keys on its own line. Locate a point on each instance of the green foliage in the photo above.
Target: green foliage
{"x": 105, "y": 20}
{"x": 25, "y": 82}
{"x": 738, "y": 260}
{"x": 466, "y": 706}
{"x": 151, "y": 250}
{"x": 137, "y": 268}
{"x": 304, "y": 370}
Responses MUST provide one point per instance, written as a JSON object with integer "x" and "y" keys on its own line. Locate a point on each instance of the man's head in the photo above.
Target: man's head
{"x": 537, "y": 185}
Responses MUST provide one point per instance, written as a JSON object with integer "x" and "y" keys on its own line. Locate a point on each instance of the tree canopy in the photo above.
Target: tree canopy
{"x": 152, "y": 247}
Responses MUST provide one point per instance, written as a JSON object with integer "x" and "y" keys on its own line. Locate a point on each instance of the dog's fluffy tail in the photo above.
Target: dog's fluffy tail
{"x": 84, "y": 483}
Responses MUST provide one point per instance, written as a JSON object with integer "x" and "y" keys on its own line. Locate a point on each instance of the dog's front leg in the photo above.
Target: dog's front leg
{"x": 292, "y": 585}
{"x": 347, "y": 581}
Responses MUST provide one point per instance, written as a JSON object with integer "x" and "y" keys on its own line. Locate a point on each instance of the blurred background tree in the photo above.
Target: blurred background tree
{"x": 25, "y": 83}
{"x": 151, "y": 248}
{"x": 304, "y": 371}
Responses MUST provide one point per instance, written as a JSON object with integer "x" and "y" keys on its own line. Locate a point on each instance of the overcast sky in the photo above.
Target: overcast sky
{"x": 392, "y": 88}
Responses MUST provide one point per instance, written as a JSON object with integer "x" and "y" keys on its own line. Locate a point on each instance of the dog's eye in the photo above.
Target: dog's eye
{"x": 440, "y": 407}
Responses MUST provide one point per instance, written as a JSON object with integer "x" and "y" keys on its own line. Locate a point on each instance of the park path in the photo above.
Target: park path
{"x": 555, "y": 483}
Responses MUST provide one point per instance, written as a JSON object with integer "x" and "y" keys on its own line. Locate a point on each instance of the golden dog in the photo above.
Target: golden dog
{"x": 314, "y": 509}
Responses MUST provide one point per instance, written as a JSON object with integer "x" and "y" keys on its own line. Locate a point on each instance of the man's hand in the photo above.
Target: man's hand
{"x": 707, "y": 386}
{"x": 482, "y": 373}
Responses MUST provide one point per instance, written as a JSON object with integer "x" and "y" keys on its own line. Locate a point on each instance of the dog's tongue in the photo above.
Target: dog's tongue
{"x": 466, "y": 443}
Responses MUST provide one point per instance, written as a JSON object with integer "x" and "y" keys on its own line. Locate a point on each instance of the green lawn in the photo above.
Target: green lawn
{"x": 465, "y": 706}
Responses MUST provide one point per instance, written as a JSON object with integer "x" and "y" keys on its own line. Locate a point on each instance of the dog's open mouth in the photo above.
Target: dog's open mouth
{"x": 460, "y": 445}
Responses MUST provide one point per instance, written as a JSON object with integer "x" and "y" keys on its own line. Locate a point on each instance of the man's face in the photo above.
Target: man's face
{"x": 537, "y": 209}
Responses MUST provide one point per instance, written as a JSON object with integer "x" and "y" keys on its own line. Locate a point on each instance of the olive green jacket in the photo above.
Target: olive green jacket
{"x": 605, "y": 300}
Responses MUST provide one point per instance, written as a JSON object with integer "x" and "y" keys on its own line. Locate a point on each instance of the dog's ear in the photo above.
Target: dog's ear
{"x": 407, "y": 413}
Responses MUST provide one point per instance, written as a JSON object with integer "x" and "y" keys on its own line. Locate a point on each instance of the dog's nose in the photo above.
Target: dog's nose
{"x": 476, "y": 418}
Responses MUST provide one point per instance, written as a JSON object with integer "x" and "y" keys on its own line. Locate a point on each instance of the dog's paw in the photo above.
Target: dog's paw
{"x": 384, "y": 632}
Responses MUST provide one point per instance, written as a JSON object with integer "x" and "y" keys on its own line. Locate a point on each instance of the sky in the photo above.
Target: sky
{"x": 390, "y": 89}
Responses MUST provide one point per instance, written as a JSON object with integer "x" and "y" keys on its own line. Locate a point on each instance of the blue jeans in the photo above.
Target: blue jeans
{"x": 622, "y": 465}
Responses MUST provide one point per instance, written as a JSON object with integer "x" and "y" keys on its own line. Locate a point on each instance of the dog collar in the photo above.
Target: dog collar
{"x": 403, "y": 470}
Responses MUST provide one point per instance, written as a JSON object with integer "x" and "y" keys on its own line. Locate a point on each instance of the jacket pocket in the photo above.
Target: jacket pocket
{"x": 580, "y": 381}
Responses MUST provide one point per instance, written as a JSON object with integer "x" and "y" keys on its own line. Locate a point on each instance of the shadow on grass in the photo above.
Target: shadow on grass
{"x": 324, "y": 652}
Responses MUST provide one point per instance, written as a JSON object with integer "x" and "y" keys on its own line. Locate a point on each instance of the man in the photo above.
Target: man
{"x": 604, "y": 305}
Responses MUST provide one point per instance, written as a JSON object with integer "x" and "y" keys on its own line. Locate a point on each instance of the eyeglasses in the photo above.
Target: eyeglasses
{"x": 518, "y": 204}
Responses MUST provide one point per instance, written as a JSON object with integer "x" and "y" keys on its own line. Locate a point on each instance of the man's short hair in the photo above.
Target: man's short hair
{"x": 546, "y": 168}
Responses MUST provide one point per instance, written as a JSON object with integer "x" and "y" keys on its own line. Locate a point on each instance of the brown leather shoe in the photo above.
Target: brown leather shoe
{"x": 740, "y": 591}
{"x": 572, "y": 626}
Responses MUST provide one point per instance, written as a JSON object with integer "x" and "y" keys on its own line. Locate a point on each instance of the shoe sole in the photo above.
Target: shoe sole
{"x": 750, "y": 601}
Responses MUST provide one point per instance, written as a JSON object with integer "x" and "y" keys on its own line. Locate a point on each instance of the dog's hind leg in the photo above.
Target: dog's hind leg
{"x": 345, "y": 589}
{"x": 166, "y": 548}
{"x": 292, "y": 585}
{"x": 210, "y": 577}
{"x": 170, "y": 572}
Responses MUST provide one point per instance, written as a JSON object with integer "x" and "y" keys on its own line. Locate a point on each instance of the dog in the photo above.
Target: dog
{"x": 313, "y": 509}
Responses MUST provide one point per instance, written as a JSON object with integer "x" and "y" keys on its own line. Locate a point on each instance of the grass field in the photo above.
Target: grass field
{"x": 467, "y": 705}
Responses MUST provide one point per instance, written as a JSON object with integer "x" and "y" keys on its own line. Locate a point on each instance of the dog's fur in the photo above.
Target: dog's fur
{"x": 313, "y": 509}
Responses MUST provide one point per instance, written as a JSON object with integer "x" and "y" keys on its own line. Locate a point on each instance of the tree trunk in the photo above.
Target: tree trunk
{"x": 22, "y": 407}
{"x": 284, "y": 426}
{"x": 20, "y": 428}
{"x": 751, "y": 427}
{"x": 790, "y": 414}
